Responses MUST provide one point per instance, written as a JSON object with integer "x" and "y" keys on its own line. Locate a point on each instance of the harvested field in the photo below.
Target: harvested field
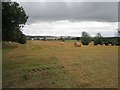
{"x": 48, "y": 64}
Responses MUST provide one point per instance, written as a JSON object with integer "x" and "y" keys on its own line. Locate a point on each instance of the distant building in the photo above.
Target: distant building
{"x": 32, "y": 39}
{"x": 42, "y": 38}
{"x": 51, "y": 38}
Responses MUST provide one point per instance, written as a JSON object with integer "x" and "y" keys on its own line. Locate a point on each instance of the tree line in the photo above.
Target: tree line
{"x": 98, "y": 39}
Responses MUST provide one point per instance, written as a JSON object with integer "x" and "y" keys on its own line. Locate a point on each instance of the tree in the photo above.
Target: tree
{"x": 113, "y": 41}
{"x": 98, "y": 39}
{"x": 118, "y": 41}
{"x": 62, "y": 39}
{"x": 85, "y": 38}
{"x": 78, "y": 38}
{"x": 13, "y": 18}
{"x": 118, "y": 37}
{"x": 45, "y": 38}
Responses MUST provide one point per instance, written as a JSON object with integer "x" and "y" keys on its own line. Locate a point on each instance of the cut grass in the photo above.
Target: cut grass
{"x": 48, "y": 64}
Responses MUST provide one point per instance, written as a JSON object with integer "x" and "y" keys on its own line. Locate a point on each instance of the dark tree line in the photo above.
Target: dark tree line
{"x": 13, "y": 19}
{"x": 99, "y": 40}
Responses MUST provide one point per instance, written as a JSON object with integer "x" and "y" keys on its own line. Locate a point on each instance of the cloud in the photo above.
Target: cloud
{"x": 71, "y": 18}
{"x": 74, "y": 11}
{"x": 68, "y": 28}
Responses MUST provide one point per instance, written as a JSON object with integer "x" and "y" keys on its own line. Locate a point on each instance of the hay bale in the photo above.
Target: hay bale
{"x": 99, "y": 45}
{"x": 62, "y": 43}
{"x": 110, "y": 44}
{"x": 104, "y": 45}
{"x": 77, "y": 44}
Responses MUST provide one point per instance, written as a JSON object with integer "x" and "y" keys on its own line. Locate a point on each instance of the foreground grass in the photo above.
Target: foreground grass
{"x": 46, "y": 64}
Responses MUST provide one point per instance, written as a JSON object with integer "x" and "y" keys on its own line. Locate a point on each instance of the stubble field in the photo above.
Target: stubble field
{"x": 48, "y": 64}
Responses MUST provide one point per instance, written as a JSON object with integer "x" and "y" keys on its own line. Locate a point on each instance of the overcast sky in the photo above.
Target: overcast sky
{"x": 71, "y": 18}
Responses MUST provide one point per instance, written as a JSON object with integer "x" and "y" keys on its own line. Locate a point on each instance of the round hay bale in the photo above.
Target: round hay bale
{"x": 62, "y": 43}
{"x": 110, "y": 44}
{"x": 103, "y": 44}
{"x": 99, "y": 45}
{"x": 77, "y": 44}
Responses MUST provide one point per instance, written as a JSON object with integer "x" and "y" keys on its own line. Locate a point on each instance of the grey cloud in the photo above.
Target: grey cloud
{"x": 74, "y": 11}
